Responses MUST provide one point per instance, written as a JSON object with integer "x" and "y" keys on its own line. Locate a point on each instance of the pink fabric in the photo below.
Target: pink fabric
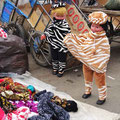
{"x": 3, "y": 34}
{"x": 21, "y": 113}
{"x": 2, "y": 114}
{"x": 1, "y": 80}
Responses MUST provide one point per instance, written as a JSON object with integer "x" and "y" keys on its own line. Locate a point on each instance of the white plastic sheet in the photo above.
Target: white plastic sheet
{"x": 22, "y": 2}
{"x": 85, "y": 111}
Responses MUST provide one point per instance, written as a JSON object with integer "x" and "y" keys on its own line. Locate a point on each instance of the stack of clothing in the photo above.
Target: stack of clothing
{"x": 18, "y": 101}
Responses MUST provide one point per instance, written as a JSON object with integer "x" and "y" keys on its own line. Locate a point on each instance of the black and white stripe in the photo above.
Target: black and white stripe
{"x": 58, "y": 4}
{"x": 56, "y": 33}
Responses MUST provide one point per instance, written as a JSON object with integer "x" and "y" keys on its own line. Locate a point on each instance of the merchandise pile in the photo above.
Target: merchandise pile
{"x": 21, "y": 102}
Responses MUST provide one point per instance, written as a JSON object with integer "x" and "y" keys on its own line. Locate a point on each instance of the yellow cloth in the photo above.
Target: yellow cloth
{"x": 92, "y": 49}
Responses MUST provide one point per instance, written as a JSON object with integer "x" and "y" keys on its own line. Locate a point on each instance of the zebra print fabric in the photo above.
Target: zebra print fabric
{"x": 92, "y": 49}
{"x": 56, "y": 33}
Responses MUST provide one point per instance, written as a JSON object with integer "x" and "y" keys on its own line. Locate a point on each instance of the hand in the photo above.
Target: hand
{"x": 43, "y": 37}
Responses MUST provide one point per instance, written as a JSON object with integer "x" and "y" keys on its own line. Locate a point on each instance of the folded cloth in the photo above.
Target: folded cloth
{"x": 2, "y": 114}
{"x": 68, "y": 105}
{"x": 6, "y": 105}
{"x": 3, "y": 34}
{"x": 21, "y": 113}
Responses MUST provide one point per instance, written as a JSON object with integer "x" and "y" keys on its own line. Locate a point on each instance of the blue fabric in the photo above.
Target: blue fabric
{"x": 47, "y": 109}
{"x": 30, "y": 87}
{"x": 67, "y": 1}
{"x": 7, "y": 9}
{"x": 32, "y": 2}
{"x": 36, "y": 43}
{"x": 6, "y": 12}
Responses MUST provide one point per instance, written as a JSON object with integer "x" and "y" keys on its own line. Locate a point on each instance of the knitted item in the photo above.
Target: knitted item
{"x": 99, "y": 80}
{"x": 31, "y": 89}
{"x": 62, "y": 66}
{"x": 82, "y": 46}
{"x": 98, "y": 17}
{"x": 55, "y": 64}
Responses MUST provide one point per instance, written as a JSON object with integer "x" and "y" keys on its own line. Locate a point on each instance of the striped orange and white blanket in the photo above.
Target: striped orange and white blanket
{"x": 92, "y": 49}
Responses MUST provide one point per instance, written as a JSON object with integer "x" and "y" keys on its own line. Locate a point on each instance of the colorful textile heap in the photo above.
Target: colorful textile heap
{"x": 2, "y": 114}
{"x": 22, "y": 113}
{"x": 3, "y": 34}
{"x": 47, "y": 109}
{"x": 92, "y": 49}
{"x": 29, "y": 103}
{"x": 6, "y": 105}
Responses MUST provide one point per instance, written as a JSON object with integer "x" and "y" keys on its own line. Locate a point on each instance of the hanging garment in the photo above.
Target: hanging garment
{"x": 92, "y": 49}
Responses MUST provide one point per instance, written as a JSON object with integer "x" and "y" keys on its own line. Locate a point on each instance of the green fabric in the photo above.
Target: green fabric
{"x": 113, "y": 5}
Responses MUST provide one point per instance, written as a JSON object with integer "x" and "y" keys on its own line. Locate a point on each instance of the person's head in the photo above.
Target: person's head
{"x": 96, "y": 28}
{"x": 59, "y": 11}
{"x": 99, "y": 21}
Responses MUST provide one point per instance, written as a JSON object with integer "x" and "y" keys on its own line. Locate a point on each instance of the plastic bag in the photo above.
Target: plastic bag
{"x": 113, "y": 5}
{"x": 13, "y": 55}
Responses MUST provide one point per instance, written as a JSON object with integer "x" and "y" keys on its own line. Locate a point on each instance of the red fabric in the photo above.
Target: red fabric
{"x": 1, "y": 80}
{"x": 74, "y": 1}
{"x": 2, "y": 114}
{"x": 3, "y": 34}
{"x": 16, "y": 83}
{"x": 43, "y": 37}
{"x": 30, "y": 91}
{"x": 22, "y": 113}
{"x": 8, "y": 87}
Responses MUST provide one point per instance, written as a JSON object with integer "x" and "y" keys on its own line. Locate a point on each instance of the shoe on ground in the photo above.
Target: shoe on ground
{"x": 85, "y": 96}
{"x": 54, "y": 72}
{"x": 60, "y": 74}
{"x": 100, "y": 102}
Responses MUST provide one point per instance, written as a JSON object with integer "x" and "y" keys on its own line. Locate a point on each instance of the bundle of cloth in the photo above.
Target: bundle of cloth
{"x": 3, "y": 34}
{"x": 20, "y": 102}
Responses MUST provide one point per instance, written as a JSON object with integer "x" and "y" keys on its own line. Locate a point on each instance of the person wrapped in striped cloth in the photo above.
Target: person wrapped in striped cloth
{"x": 55, "y": 34}
{"x": 93, "y": 50}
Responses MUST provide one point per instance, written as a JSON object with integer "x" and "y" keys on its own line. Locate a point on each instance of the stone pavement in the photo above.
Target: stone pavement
{"x": 72, "y": 82}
